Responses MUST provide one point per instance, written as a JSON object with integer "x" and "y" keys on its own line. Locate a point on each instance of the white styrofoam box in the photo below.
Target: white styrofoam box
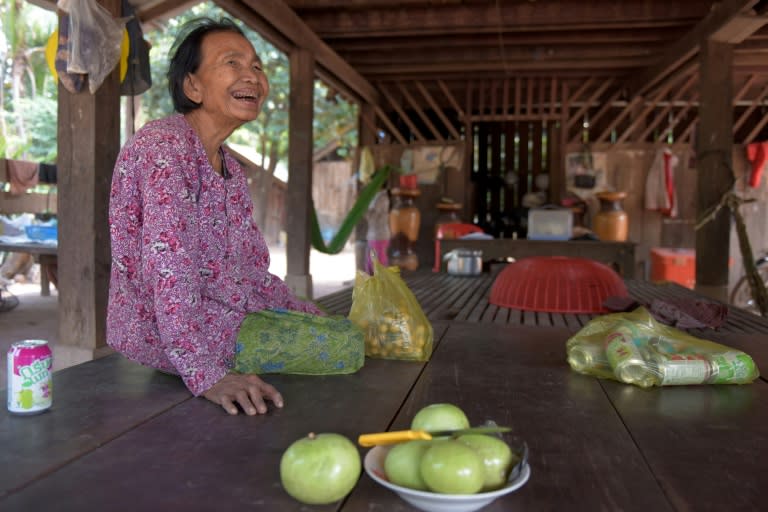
{"x": 550, "y": 224}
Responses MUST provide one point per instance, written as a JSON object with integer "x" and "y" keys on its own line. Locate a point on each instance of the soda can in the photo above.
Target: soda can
{"x": 733, "y": 367}
{"x": 30, "y": 385}
{"x": 625, "y": 358}
{"x": 680, "y": 370}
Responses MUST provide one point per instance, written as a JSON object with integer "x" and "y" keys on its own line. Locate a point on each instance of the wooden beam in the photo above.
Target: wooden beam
{"x": 741, "y": 27}
{"x": 748, "y": 111}
{"x": 420, "y": 111}
{"x": 607, "y": 105}
{"x": 403, "y": 115}
{"x": 667, "y": 108}
{"x": 299, "y": 193}
{"x": 277, "y": 15}
{"x": 437, "y": 110}
{"x": 616, "y": 120}
{"x": 572, "y": 119}
{"x": 392, "y": 128}
{"x": 714, "y": 150}
{"x": 756, "y": 130}
{"x": 450, "y": 98}
{"x": 680, "y": 115}
{"x": 722, "y": 14}
{"x": 650, "y": 106}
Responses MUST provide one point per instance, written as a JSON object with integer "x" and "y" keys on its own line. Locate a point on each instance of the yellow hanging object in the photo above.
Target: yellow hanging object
{"x": 52, "y": 47}
{"x": 366, "y": 169}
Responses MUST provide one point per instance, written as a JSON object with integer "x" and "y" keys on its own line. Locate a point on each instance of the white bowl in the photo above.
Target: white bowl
{"x": 432, "y": 501}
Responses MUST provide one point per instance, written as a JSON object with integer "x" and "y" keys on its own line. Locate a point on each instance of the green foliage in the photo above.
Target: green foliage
{"x": 29, "y": 127}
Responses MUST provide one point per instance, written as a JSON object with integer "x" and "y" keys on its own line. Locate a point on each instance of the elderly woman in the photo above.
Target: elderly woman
{"x": 188, "y": 262}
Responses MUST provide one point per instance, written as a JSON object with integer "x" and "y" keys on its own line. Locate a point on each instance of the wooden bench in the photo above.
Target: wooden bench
{"x": 34, "y": 203}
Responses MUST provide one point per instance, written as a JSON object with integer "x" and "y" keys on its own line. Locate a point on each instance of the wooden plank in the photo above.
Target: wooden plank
{"x": 95, "y": 402}
{"x": 579, "y": 115}
{"x": 218, "y": 459}
{"x": 757, "y": 102}
{"x": 459, "y": 112}
{"x": 694, "y": 434}
{"x": 392, "y": 129}
{"x": 524, "y": 378}
{"x": 647, "y": 109}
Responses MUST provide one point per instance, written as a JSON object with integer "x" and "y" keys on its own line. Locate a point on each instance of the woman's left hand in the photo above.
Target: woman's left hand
{"x": 247, "y": 390}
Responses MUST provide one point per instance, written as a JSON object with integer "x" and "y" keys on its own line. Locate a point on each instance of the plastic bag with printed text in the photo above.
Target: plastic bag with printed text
{"x": 391, "y": 317}
{"x": 636, "y": 349}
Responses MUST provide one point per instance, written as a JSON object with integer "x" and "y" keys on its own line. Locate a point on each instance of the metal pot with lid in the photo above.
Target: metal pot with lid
{"x": 464, "y": 262}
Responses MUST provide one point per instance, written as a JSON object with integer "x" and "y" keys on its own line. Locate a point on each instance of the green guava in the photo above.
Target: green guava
{"x": 403, "y": 464}
{"x": 440, "y": 417}
{"x": 451, "y": 467}
{"x": 320, "y": 469}
{"x": 497, "y": 458}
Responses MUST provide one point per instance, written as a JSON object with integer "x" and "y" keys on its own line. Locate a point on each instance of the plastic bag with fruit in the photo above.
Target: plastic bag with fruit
{"x": 636, "y": 349}
{"x": 391, "y": 317}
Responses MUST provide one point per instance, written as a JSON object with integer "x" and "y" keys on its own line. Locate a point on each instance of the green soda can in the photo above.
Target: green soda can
{"x": 733, "y": 367}
{"x": 627, "y": 360}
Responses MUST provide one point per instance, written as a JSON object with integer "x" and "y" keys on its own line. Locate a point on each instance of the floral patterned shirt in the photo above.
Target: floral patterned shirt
{"x": 188, "y": 262}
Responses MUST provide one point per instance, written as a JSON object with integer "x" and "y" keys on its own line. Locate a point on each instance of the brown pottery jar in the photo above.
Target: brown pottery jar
{"x": 404, "y": 222}
{"x": 611, "y": 223}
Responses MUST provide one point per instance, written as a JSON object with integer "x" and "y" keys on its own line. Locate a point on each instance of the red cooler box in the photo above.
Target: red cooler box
{"x": 676, "y": 265}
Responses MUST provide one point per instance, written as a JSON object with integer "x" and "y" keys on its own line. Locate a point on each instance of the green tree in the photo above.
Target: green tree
{"x": 28, "y": 88}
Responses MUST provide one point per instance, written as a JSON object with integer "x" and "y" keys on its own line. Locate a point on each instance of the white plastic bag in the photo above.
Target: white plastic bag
{"x": 94, "y": 38}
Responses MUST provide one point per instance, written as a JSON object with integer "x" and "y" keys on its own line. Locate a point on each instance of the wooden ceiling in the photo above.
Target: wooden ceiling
{"x": 511, "y": 58}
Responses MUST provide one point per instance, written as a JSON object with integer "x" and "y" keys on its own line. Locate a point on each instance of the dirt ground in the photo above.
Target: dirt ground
{"x": 35, "y": 317}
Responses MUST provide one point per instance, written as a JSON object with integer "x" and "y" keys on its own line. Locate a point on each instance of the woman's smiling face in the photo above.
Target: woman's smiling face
{"x": 230, "y": 84}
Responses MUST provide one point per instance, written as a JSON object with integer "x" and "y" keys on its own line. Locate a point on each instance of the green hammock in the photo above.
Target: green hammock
{"x": 353, "y": 217}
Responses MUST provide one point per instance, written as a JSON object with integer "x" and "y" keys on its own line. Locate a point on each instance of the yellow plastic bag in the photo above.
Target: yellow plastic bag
{"x": 636, "y": 349}
{"x": 385, "y": 309}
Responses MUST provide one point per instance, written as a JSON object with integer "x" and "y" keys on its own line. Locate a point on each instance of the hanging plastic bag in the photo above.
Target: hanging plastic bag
{"x": 293, "y": 342}
{"x": 636, "y": 349}
{"x": 389, "y": 314}
{"x": 138, "y": 78}
{"x": 95, "y": 38}
{"x": 73, "y": 82}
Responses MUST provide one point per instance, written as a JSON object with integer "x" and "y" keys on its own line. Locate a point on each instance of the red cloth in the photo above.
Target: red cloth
{"x": 757, "y": 154}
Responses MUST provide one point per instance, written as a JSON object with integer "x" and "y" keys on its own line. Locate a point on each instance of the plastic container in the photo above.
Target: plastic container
{"x": 36, "y": 232}
{"x": 550, "y": 224}
{"x": 556, "y": 284}
{"x": 675, "y": 265}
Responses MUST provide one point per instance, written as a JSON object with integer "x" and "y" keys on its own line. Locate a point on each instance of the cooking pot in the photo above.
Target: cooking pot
{"x": 464, "y": 262}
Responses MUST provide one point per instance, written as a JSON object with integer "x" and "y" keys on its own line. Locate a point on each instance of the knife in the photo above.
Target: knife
{"x": 399, "y": 436}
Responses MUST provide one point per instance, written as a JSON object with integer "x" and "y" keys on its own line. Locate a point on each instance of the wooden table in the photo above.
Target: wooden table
{"x": 45, "y": 254}
{"x": 124, "y": 437}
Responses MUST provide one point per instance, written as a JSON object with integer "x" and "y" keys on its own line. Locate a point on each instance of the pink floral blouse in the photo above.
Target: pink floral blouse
{"x": 188, "y": 262}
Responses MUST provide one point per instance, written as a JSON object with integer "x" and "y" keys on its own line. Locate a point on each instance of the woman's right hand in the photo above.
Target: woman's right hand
{"x": 245, "y": 389}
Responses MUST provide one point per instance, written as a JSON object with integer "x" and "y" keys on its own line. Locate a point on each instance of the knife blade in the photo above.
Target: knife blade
{"x": 400, "y": 436}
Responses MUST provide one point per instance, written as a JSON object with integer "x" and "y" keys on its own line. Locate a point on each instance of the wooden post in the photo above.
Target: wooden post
{"x": 88, "y": 143}
{"x": 299, "y": 194}
{"x": 714, "y": 142}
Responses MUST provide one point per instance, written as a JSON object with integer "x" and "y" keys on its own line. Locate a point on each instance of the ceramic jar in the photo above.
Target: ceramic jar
{"x": 404, "y": 223}
{"x": 611, "y": 223}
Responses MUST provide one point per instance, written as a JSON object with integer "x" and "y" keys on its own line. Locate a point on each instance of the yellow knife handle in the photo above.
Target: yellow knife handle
{"x": 398, "y": 436}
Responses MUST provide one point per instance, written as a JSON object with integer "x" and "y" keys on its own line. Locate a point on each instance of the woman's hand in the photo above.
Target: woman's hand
{"x": 247, "y": 390}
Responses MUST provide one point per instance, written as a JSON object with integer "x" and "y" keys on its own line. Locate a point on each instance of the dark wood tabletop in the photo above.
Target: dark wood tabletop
{"x": 124, "y": 437}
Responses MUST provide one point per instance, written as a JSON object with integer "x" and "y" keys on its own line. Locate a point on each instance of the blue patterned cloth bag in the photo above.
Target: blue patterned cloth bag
{"x": 284, "y": 341}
